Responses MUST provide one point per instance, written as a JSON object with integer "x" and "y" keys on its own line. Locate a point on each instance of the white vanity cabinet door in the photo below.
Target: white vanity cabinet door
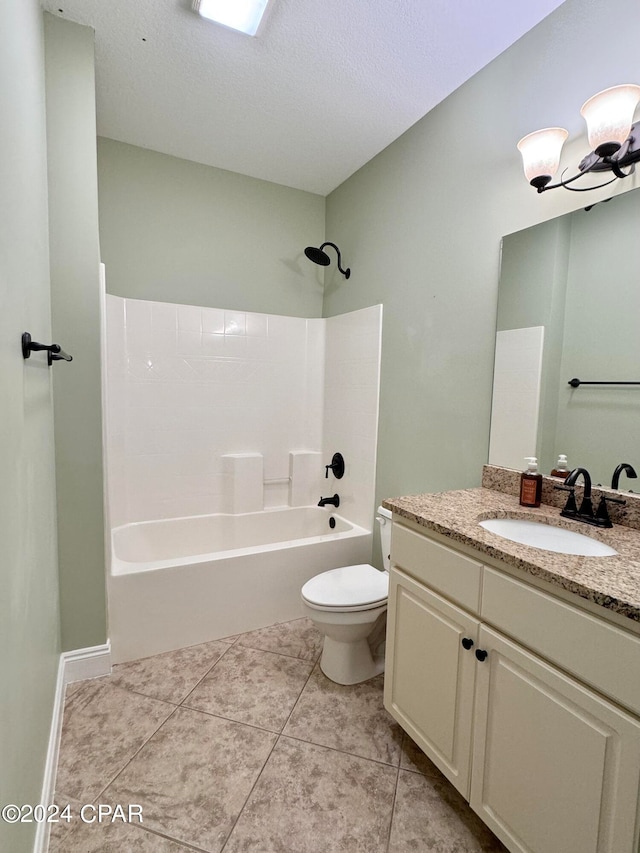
{"x": 556, "y": 768}
{"x": 429, "y": 674}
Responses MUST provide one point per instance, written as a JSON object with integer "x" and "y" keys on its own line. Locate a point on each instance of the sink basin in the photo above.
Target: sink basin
{"x": 547, "y": 537}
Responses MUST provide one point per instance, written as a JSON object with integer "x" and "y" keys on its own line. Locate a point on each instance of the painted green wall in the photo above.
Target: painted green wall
{"x": 176, "y": 231}
{"x": 75, "y": 303}
{"x": 29, "y": 625}
{"x": 421, "y": 225}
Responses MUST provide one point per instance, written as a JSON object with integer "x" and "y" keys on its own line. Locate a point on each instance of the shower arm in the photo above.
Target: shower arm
{"x": 345, "y": 273}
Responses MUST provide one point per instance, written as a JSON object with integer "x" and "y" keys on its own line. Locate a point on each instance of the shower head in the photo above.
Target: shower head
{"x": 319, "y": 257}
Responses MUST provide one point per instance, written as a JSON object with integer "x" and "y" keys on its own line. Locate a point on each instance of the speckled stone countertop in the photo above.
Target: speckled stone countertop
{"x": 611, "y": 582}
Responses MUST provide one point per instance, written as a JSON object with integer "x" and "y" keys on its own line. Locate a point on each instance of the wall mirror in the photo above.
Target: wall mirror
{"x": 569, "y": 306}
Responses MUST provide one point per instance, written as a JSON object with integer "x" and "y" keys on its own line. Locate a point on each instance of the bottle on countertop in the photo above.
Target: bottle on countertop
{"x": 531, "y": 483}
{"x": 562, "y": 469}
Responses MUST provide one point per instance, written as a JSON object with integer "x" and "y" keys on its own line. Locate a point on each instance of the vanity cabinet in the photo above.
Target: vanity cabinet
{"x": 431, "y": 690}
{"x": 549, "y": 761}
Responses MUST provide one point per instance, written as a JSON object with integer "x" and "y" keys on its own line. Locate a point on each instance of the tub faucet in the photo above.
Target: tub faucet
{"x": 335, "y": 501}
{"x": 623, "y": 466}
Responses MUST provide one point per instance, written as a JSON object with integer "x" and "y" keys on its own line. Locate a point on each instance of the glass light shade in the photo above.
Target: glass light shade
{"x": 541, "y": 152}
{"x": 609, "y": 116}
{"x": 243, "y": 15}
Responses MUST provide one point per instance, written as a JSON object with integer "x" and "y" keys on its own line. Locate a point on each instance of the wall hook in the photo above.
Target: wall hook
{"x": 54, "y": 351}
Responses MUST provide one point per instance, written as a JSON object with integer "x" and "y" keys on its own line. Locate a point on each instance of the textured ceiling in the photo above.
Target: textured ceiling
{"x": 325, "y": 85}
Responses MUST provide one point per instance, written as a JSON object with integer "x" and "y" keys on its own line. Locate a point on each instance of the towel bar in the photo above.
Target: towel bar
{"x": 576, "y": 383}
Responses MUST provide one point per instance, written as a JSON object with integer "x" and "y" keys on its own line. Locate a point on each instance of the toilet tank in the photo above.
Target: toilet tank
{"x": 383, "y": 517}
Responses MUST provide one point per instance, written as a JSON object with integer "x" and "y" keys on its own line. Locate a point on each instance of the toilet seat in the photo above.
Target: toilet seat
{"x": 349, "y": 588}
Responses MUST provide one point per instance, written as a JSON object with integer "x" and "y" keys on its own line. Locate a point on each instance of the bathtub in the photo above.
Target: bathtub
{"x": 182, "y": 581}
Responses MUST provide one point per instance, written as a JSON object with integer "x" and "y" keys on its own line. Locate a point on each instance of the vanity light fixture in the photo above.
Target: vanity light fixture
{"x": 242, "y": 15}
{"x": 614, "y": 139}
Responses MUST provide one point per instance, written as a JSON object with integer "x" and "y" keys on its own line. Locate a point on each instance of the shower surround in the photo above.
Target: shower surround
{"x": 227, "y": 415}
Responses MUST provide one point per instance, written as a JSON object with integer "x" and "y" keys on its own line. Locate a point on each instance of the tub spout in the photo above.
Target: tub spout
{"x": 335, "y": 501}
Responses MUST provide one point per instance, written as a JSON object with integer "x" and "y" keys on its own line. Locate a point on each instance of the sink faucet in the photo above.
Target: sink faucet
{"x": 335, "y": 501}
{"x": 586, "y": 507}
{"x": 623, "y": 466}
{"x": 586, "y": 513}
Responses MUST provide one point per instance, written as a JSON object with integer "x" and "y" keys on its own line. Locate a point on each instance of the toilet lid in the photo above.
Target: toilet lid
{"x": 350, "y": 586}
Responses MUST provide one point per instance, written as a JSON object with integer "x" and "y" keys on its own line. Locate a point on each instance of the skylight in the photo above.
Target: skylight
{"x": 243, "y": 15}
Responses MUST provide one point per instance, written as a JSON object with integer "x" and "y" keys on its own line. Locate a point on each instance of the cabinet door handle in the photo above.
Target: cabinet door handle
{"x": 481, "y": 654}
{"x": 467, "y": 642}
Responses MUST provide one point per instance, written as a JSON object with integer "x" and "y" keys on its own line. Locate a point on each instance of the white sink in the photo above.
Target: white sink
{"x": 547, "y": 537}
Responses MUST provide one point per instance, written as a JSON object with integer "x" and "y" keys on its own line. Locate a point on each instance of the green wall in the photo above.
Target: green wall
{"x": 421, "y": 226}
{"x": 29, "y": 625}
{"x": 176, "y": 231}
{"x": 75, "y": 304}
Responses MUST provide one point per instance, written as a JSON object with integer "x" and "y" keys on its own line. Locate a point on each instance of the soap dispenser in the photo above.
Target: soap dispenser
{"x": 562, "y": 469}
{"x": 530, "y": 483}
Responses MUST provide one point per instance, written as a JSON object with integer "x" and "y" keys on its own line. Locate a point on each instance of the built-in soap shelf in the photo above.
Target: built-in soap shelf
{"x": 249, "y": 491}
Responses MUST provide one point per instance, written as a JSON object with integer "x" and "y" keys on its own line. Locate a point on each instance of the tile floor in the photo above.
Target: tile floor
{"x": 244, "y": 745}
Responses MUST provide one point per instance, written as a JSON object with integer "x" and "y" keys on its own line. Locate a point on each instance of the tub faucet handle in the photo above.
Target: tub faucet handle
{"x": 337, "y": 466}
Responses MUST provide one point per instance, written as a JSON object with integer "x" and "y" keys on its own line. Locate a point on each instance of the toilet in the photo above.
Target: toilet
{"x": 349, "y": 606}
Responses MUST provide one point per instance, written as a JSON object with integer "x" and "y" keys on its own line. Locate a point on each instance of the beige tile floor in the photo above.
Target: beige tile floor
{"x": 244, "y": 745}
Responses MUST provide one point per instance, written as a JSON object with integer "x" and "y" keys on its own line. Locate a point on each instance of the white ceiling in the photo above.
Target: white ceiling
{"x": 325, "y": 85}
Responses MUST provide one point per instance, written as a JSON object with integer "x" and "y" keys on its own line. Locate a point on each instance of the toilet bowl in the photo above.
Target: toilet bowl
{"x": 349, "y": 606}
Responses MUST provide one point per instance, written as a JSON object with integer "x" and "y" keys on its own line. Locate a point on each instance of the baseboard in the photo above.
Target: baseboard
{"x": 93, "y": 662}
{"x": 72, "y": 666}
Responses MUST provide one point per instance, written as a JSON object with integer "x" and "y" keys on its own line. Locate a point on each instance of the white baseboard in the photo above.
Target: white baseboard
{"x": 93, "y": 662}
{"x": 72, "y": 666}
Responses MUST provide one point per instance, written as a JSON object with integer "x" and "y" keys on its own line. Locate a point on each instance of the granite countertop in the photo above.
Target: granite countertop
{"x": 611, "y": 582}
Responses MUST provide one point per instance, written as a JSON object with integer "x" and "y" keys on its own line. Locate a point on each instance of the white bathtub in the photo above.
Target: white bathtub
{"x": 181, "y": 581}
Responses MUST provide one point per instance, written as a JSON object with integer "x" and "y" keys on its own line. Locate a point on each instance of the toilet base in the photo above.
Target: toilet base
{"x": 349, "y": 663}
{"x": 354, "y": 642}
